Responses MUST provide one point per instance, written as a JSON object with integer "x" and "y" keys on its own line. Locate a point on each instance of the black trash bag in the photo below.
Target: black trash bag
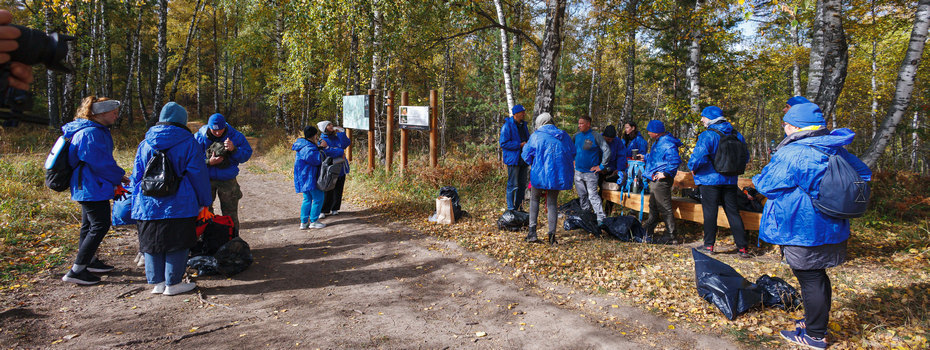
{"x": 721, "y": 285}
{"x": 745, "y": 204}
{"x": 233, "y": 257}
{"x": 625, "y": 228}
{"x": 452, "y": 193}
{"x": 205, "y": 265}
{"x": 692, "y": 193}
{"x": 778, "y": 293}
{"x": 513, "y": 220}
{"x": 576, "y": 218}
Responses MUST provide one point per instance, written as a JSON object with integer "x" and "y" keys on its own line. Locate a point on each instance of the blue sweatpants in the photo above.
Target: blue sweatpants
{"x": 310, "y": 208}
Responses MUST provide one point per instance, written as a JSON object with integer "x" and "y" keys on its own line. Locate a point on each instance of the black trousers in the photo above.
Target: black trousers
{"x": 95, "y": 222}
{"x": 711, "y": 198}
{"x": 660, "y": 204}
{"x": 333, "y": 198}
{"x": 817, "y": 295}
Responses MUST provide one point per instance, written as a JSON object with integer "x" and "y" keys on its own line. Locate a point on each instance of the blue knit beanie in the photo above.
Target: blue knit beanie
{"x": 517, "y": 109}
{"x": 712, "y": 112}
{"x": 655, "y": 126}
{"x": 173, "y": 113}
{"x": 796, "y": 100}
{"x": 804, "y": 114}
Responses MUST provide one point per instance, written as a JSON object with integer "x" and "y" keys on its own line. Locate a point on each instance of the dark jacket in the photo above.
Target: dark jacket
{"x": 96, "y": 173}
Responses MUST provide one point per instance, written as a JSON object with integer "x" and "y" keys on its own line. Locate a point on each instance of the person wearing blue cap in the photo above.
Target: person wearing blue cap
{"x": 225, "y": 148}
{"x": 795, "y": 100}
{"x": 662, "y": 163}
{"x": 810, "y": 240}
{"x": 514, "y": 136}
{"x": 714, "y": 186}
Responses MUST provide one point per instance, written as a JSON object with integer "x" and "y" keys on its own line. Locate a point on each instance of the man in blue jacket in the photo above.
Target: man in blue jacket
{"x": 661, "y": 167}
{"x": 591, "y": 156}
{"x": 715, "y": 187}
{"x": 616, "y": 166}
{"x": 810, "y": 241}
{"x": 550, "y": 152}
{"x": 514, "y": 136}
{"x": 334, "y": 143}
{"x": 226, "y": 148}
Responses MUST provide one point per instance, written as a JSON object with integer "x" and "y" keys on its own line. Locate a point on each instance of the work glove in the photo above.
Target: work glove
{"x": 119, "y": 193}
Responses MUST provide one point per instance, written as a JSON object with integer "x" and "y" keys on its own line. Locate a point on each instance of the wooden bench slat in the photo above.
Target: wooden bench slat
{"x": 683, "y": 209}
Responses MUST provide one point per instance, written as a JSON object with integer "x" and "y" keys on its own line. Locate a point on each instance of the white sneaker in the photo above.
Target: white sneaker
{"x": 334, "y": 213}
{"x": 317, "y": 225}
{"x": 159, "y": 288}
{"x": 180, "y": 288}
{"x": 304, "y": 225}
{"x": 321, "y": 216}
{"x": 141, "y": 261}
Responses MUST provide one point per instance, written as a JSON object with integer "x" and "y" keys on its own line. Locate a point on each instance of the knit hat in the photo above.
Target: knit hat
{"x": 104, "y": 106}
{"x": 517, "y": 109}
{"x": 173, "y": 113}
{"x": 796, "y": 100}
{"x": 804, "y": 114}
{"x": 217, "y": 122}
{"x": 543, "y": 119}
{"x": 310, "y": 131}
{"x": 609, "y": 131}
{"x": 712, "y": 112}
{"x": 322, "y": 125}
{"x": 655, "y": 126}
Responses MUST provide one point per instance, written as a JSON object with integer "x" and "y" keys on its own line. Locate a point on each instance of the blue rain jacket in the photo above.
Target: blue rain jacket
{"x": 187, "y": 157}
{"x": 790, "y": 179}
{"x": 550, "y": 152}
{"x": 663, "y": 157}
{"x": 96, "y": 173}
{"x": 638, "y": 143}
{"x": 702, "y": 159}
{"x": 306, "y": 165}
{"x": 510, "y": 140}
{"x": 337, "y": 144}
{"x": 618, "y": 155}
{"x": 241, "y": 155}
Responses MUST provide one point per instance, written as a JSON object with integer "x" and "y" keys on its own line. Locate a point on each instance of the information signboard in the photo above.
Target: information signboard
{"x": 355, "y": 114}
{"x": 414, "y": 117}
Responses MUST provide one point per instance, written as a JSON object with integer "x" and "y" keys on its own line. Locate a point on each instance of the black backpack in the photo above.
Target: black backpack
{"x": 159, "y": 178}
{"x": 843, "y": 193}
{"x": 731, "y": 157}
{"x": 329, "y": 173}
{"x": 57, "y": 169}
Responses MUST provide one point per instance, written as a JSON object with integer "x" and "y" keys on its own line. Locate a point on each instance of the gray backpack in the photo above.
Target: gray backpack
{"x": 329, "y": 173}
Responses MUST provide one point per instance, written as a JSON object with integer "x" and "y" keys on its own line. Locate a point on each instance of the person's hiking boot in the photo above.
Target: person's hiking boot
{"x": 304, "y": 225}
{"x": 159, "y": 288}
{"x": 83, "y": 278}
{"x": 334, "y": 213}
{"x": 531, "y": 236}
{"x": 180, "y": 288}
{"x": 800, "y": 337}
{"x": 552, "y": 240}
{"x": 707, "y": 249}
{"x": 743, "y": 253}
{"x": 98, "y": 266}
{"x": 317, "y": 225}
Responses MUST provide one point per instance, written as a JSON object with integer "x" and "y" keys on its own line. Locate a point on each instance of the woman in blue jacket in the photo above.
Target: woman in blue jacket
{"x": 633, "y": 140}
{"x": 167, "y": 224}
{"x": 811, "y": 241}
{"x": 307, "y": 163}
{"x": 334, "y": 142}
{"x": 550, "y": 153}
{"x": 96, "y": 176}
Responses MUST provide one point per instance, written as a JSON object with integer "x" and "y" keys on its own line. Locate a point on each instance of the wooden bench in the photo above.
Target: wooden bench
{"x": 685, "y": 208}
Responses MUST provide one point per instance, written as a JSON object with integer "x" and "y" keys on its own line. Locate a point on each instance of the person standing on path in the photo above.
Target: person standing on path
{"x": 514, "y": 136}
{"x": 94, "y": 181}
{"x": 167, "y": 224}
{"x": 550, "y": 153}
{"x": 810, "y": 241}
{"x": 714, "y": 186}
{"x": 334, "y": 143}
{"x": 226, "y": 148}
{"x": 661, "y": 167}
{"x": 307, "y": 163}
{"x": 592, "y": 153}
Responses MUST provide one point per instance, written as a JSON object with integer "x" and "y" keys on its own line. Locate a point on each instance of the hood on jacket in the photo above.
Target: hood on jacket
{"x": 724, "y": 127}
{"x": 162, "y": 137}
{"x": 301, "y": 143}
{"x": 553, "y": 131}
{"x": 73, "y": 127}
{"x": 672, "y": 139}
{"x": 836, "y": 138}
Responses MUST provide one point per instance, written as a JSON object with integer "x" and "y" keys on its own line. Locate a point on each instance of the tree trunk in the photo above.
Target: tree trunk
{"x": 874, "y": 111}
{"x": 191, "y": 32}
{"x": 549, "y": 57}
{"x": 376, "y": 42}
{"x": 54, "y": 116}
{"x": 829, "y": 56}
{"x": 281, "y": 56}
{"x": 915, "y": 143}
{"x": 106, "y": 56}
{"x": 904, "y": 85}
{"x": 142, "y": 108}
{"x": 505, "y": 56}
{"x": 517, "y": 58}
{"x": 630, "y": 81}
{"x": 693, "y": 71}
{"x": 216, "y": 67}
{"x": 162, "y": 60}
{"x": 795, "y": 68}
{"x": 594, "y": 76}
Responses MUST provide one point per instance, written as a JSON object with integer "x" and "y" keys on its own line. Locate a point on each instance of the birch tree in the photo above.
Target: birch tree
{"x": 829, "y": 57}
{"x": 549, "y": 57}
{"x": 162, "y": 61}
{"x": 505, "y": 57}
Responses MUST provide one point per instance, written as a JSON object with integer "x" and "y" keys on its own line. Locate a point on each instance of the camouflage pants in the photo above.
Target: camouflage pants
{"x": 230, "y": 194}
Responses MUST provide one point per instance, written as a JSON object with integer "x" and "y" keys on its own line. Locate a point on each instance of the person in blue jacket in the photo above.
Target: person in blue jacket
{"x": 167, "y": 225}
{"x": 662, "y": 163}
{"x": 592, "y": 154}
{"x": 549, "y": 152}
{"x": 307, "y": 163}
{"x": 810, "y": 241}
{"x": 334, "y": 143}
{"x": 616, "y": 165}
{"x": 226, "y": 148}
{"x": 514, "y": 136}
{"x": 715, "y": 187}
{"x": 94, "y": 181}
{"x": 634, "y": 143}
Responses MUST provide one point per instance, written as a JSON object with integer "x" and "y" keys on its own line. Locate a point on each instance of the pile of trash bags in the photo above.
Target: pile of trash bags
{"x": 626, "y": 228}
{"x": 513, "y": 220}
{"x": 232, "y": 258}
{"x": 575, "y": 218}
{"x": 721, "y": 285}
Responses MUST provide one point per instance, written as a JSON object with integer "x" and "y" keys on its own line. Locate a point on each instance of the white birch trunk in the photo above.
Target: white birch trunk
{"x": 505, "y": 57}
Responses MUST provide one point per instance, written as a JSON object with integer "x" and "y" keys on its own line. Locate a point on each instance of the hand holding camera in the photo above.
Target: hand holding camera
{"x": 20, "y": 74}
{"x": 21, "y": 47}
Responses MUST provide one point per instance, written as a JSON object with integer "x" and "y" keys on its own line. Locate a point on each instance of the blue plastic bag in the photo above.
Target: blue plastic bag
{"x": 122, "y": 211}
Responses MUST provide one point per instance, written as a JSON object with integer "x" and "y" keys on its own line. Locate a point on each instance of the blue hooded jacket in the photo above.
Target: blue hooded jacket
{"x": 789, "y": 181}
{"x": 336, "y": 147}
{"x": 638, "y": 143}
{"x": 702, "y": 159}
{"x": 550, "y": 152}
{"x": 96, "y": 173}
{"x": 618, "y": 155}
{"x": 663, "y": 157}
{"x": 241, "y": 155}
{"x": 510, "y": 140}
{"x": 307, "y": 163}
{"x": 187, "y": 158}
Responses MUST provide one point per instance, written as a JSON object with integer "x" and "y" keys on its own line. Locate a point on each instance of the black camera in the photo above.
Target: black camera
{"x": 35, "y": 47}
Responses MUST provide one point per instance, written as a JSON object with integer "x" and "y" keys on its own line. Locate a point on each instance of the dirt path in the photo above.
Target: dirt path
{"x": 362, "y": 282}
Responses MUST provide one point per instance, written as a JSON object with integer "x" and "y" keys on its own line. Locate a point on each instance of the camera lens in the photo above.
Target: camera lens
{"x": 37, "y": 47}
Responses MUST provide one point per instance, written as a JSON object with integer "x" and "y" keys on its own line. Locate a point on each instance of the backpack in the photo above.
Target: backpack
{"x": 847, "y": 194}
{"x": 731, "y": 158}
{"x": 57, "y": 169}
{"x": 329, "y": 173}
{"x": 634, "y": 172}
{"x": 159, "y": 178}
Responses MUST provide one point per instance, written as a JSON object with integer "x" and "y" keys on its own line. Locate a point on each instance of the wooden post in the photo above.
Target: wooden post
{"x": 404, "y": 137}
{"x": 349, "y": 136}
{"x": 389, "y": 147}
{"x": 433, "y": 129}
{"x": 371, "y": 130}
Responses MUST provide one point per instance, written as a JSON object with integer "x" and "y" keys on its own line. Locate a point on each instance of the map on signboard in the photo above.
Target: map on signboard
{"x": 414, "y": 117}
{"x": 355, "y": 112}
